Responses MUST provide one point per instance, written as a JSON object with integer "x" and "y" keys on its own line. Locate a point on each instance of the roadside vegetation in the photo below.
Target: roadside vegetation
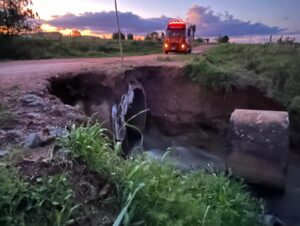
{"x": 152, "y": 193}
{"x": 146, "y": 191}
{"x": 21, "y": 48}
{"x": 274, "y": 69}
{"x": 44, "y": 201}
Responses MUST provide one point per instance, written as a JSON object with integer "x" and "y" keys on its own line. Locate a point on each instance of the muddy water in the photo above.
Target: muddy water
{"x": 188, "y": 152}
{"x": 286, "y": 206}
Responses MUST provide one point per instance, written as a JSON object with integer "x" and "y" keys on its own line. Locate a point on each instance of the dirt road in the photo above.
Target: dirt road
{"x": 22, "y": 73}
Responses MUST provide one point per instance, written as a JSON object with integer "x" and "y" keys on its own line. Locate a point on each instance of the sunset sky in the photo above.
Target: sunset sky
{"x": 212, "y": 17}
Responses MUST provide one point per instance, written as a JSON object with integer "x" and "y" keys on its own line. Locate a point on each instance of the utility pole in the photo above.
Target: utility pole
{"x": 119, "y": 31}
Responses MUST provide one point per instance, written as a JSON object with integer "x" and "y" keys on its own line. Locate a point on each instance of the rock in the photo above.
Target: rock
{"x": 270, "y": 220}
{"x": 259, "y": 146}
{"x": 57, "y": 132}
{"x": 33, "y": 115}
{"x": 33, "y": 140}
{"x": 3, "y": 152}
{"x": 32, "y": 100}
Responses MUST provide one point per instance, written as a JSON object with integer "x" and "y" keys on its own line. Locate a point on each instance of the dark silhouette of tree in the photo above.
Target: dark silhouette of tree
{"x": 154, "y": 36}
{"x": 116, "y": 36}
{"x": 130, "y": 36}
{"x": 16, "y": 17}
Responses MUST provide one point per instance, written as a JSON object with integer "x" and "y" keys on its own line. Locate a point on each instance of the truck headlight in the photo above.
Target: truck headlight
{"x": 166, "y": 45}
{"x": 183, "y": 46}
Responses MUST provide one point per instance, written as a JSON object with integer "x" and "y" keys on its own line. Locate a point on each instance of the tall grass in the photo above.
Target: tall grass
{"x": 274, "y": 69}
{"x": 33, "y": 48}
{"x": 152, "y": 193}
{"x": 48, "y": 201}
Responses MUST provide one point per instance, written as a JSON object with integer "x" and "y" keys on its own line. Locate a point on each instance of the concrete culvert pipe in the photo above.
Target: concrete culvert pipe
{"x": 129, "y": 115}
{"x": 259, "y": 146}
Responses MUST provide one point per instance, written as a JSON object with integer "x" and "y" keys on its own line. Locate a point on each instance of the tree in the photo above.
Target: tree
{"x": 154, "y": 36}
{"x": 16, "y": 17}
{"x": 130, "y": 36}
{"x": 116, "y": 36}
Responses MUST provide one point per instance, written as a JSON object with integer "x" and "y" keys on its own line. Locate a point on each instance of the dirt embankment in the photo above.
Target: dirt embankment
{"x": 176, "y": 104}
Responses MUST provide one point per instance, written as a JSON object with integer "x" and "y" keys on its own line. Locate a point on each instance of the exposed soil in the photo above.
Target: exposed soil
{"x": 90, "y": 189}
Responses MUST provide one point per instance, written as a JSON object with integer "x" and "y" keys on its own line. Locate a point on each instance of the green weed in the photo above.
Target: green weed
{"x": 45, "y": 202}
{"x": 152, "y": 193}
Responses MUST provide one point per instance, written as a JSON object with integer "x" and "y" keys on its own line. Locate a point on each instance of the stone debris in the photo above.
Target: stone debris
{"x": 32, "y": 100}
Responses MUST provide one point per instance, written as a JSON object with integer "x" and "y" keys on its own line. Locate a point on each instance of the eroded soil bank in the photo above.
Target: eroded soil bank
{"x": 180, "y": 113}
{"x": 176, "y": 106}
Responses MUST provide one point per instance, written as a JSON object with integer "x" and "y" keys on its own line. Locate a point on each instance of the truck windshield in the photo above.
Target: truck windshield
{"x": 175, "y": 33}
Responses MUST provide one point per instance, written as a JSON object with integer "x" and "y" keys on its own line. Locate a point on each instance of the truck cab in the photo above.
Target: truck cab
{"x": 177, "y": 38}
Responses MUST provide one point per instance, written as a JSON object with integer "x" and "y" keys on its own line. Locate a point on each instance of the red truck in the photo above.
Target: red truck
{"x": 178, "y": 37}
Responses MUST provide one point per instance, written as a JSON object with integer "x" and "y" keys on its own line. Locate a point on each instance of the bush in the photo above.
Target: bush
{"x": 152, "y": 193}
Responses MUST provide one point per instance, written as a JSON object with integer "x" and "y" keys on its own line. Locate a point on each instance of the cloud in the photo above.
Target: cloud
{"x": 105, "y": 22}
{"x": 212, "y": 24}
{"x": 208, "y": 23}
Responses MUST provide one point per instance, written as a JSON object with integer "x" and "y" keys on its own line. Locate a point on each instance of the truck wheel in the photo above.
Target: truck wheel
{"x": 166, "y": 52}
{"x": 190, "y": 51}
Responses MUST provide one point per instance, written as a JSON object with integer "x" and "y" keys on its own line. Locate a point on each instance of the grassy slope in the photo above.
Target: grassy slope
{"x": 272, "y": 68}
{"x": 149, "y": 193}
{"x": 24, "y": 48}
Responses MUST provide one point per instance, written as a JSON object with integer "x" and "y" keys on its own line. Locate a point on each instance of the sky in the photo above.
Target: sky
{"x": 235, "y": 18}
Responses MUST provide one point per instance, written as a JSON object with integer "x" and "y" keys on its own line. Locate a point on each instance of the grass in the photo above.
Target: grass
{"x": 274, "y": 69}
{"x": 21, "y": 48}
{"x": 48, "y": 201}
{"x": 151, "y": 193}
